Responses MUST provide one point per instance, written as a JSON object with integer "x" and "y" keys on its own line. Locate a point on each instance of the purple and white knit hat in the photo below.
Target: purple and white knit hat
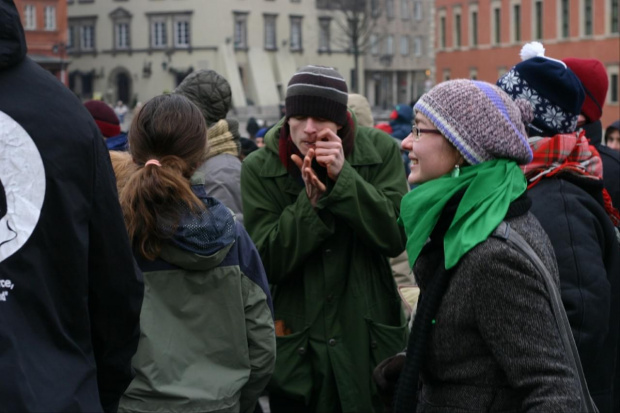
{"x": 479, "y": 119}
{"x": 319, "y": 92}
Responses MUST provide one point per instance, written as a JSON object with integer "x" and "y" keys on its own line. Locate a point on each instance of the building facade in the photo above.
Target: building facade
{"x": 482, "y": 38}
{"x": 45, "y": 26}
{"x": 134, "y": 50}
{"x": 399, "y": 62}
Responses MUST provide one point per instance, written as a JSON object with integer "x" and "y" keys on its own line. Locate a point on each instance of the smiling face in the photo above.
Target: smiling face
{"x": 304, "y": 131}
{"x": 431, "y": 156}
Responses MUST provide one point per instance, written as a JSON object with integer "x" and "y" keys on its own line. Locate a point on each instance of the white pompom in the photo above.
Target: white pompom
{"x": 532, "y": 49}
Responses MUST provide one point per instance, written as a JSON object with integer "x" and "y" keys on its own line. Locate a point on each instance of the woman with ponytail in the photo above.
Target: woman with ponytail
{"x": 207, "y": 338}
{"x": 484, "y": 337}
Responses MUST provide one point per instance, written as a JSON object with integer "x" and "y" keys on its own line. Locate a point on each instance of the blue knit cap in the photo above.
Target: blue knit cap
{"x": 553, "y": 90}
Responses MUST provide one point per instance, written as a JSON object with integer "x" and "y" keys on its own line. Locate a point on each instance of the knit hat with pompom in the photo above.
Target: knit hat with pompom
{"x": 553, "y": 90}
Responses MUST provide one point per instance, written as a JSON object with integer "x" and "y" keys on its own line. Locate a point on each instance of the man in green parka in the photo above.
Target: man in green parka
{"x": 321, "y": 201}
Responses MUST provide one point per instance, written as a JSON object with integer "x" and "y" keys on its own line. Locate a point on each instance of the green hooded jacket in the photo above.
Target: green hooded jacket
{"x": 331, "y": 281}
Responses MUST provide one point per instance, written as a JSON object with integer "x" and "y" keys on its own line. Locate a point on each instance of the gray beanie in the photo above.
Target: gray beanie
{"x": 208, "y": 90}
{"x": 319, "y": 92}
{"x": 479, "y": 119}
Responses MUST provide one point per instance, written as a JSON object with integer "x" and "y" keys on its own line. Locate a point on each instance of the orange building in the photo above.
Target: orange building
{"x": 45, "y": 25}
{"x": 482, "y": 38}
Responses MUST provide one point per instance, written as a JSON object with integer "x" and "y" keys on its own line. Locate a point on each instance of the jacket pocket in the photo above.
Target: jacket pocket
{"x": 292, "y": 377}
{"x": 386, "y": 341}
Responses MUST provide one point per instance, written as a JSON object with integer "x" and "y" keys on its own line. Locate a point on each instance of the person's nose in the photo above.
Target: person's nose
{"x": 310, "y": 126}
{"x": 407, "y": 143}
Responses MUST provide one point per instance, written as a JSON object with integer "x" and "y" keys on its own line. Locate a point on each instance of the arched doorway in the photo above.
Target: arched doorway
{"x": 122, "y": 87}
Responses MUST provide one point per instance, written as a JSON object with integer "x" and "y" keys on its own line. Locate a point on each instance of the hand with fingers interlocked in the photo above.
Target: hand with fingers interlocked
{"x": 314, "y": 187}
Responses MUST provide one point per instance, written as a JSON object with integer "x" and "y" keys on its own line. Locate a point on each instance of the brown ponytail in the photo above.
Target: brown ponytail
{"x": 170, "y": 130}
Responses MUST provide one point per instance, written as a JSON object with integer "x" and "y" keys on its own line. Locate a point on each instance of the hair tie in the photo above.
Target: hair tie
{"x": 152, "y": 162}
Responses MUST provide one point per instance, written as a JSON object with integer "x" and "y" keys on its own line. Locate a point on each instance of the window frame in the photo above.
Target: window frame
{"x": 296, "y": 38}
{"x": 30, "y": 17}
{"x": 270, "y": 31}
{"x": 240, "y": 30}
{"x": 473, "y": 40}
{"x": 50, "y": 17}
{"x": 325, "y": 34}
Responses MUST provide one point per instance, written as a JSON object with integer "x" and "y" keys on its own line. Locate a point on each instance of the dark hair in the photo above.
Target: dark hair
{"x": 171, "y": 130}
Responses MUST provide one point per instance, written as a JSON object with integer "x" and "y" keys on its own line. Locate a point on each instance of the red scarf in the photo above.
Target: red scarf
{"x": 567, "y": 153}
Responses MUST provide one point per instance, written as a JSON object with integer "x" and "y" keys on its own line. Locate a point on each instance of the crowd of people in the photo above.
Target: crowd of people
{"x": 176, "y": 268}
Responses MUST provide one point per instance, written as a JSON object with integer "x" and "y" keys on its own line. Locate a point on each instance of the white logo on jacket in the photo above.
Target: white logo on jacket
{"x": 23, "y": 178}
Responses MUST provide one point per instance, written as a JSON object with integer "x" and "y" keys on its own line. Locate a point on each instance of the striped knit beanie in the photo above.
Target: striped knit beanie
{"x": 553, "y": 90}
{"x": 317, "y": 91}
{"x": 479, "y": 119}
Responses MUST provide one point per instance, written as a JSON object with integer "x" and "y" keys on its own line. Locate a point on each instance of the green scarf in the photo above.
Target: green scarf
{"x": 490, "y": 188}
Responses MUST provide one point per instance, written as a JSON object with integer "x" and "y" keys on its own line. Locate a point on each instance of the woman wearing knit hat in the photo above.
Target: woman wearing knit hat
{"x": 321, "y": 202}
{"x": 569, "y": 199}
{"x": 484, "y": 337}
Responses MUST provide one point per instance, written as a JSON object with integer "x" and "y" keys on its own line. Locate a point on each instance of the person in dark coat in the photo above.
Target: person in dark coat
{"x": 221, "y": 167}
{"x": 476, "y": 341}
{"x": 593, "y": 77}
{"x": 70, "y": 293}
{"x": 569, "y": 199}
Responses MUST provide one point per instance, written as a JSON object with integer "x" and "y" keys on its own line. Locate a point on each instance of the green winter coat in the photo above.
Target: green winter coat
{"x": 331, "y": 281}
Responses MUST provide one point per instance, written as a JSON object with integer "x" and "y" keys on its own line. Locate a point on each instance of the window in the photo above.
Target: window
{"x": 417, "y": 46}
{"x": 587, "y": 17}
{"x": 564, "y": 19}
{"x": 538, "y": 20}
{"x": 404, "y": 9}
{"x": 30, "y": 17}
{"x": 70, "y": 34}
{"x": 374, "y": 44}
{"x": 159, "y": 35}
{"x": 612, "y": 93}
{"x": 270, "y": 31}
{"x": 446, "y": 74}
{"x": 613, "y": 16}
{"x": 241, "y": 31}
{"x": 442, "y": 29}
{"x": 87, "y": 37}
{"x": 296, "y": 38}
{"x": 121, "y": 35}
{"x": 374, "y": 8}
{"x": 50, "y": 18}
{"x": 324, "y": 33}
{"x": 81, "y": 34}
{"x": 389, "y": 8}
{"x": 404, "y": 45}
{"x": 473, "y": 73}
{"x": 389, "y": 45}
{"x": 496, "y": 23}
{"x": 417, "y": 10}
{"x": 457, "y": 28}
{"x": 181, "y": 32}
{"x": 473, "y": 26}
{"x": 516, "y": 22}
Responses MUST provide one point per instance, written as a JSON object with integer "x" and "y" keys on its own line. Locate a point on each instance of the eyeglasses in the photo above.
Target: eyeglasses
{"x": 417, "y": 132}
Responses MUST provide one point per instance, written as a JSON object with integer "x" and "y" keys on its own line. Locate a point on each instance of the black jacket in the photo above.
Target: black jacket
{"x": 610, "y": 158}
{"x": 70, "y": 293}
{"x": 570, "y": 210}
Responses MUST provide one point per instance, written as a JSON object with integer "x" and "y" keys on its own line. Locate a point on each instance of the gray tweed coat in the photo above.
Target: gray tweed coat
{"x": 495, "y": 346}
